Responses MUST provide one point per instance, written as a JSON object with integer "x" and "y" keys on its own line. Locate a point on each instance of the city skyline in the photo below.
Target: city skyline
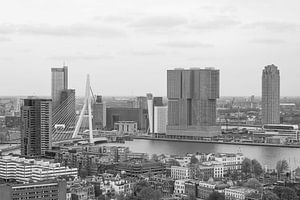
{"x": 110, "y": 40}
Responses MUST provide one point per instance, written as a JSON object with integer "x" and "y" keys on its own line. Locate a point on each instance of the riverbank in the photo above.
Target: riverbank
{"x": 217, "y": 142}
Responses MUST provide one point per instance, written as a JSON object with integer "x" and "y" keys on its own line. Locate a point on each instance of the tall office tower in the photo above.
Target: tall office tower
{"x": 36, "y": 116}
{"x": 66, "y": 112}
{"x": 157, "y": 101}
{"x": 192, "y": 95}
{"x": 150, "y": 111}
{"x": 270, "y": 95}
{"x": 59, "y": 83}
{"x": 141, "y": 102}
{"x": 160, "y": 119}
{"x": 99, "y": 114}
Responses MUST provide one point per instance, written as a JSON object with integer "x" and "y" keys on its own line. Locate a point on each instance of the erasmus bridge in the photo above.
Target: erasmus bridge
{"x": 67, "y": 127}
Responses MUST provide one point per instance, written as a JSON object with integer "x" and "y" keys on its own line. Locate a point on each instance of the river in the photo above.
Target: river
{"x": 267, "y": 156}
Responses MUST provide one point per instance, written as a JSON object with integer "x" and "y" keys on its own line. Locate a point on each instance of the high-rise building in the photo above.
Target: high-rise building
{"x": 67, "y": 111}
{"x": 141, "y": 102}
{"x": 99, "y": 114}
{"x": 157, "y": 101}
{"x": 150, "y": 111}
{"x": 160, "y": 119}
{"x": 192, "y": 96}
{"x": 152, "y": 102}
{"x": 59, "y": 83}
{"x": 36, "y": 131}
{"x": 271, "y": 95}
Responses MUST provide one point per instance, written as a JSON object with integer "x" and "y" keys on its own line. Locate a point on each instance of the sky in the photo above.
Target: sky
{"x": 127, "y": 45}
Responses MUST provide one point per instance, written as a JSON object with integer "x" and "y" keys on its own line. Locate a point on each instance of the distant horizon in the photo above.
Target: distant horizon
{"x": 129, "y": 96}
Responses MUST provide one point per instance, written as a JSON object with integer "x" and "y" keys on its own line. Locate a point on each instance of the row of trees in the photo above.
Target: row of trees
{"x": 251, "y": 167}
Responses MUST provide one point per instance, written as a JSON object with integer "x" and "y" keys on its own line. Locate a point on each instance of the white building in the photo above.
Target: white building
{"x": 178, "y": 172}
{"x": 237, "y": 193}
{"x": 230, "y": 161}
{"x": 150, "y": 111}
{"x": 126, "y": 126}
{"x": 179, "y": 187}
{"x": 184, "y": 161}
{"x": 160, "y": 119}
{"x": 25, "y": 170}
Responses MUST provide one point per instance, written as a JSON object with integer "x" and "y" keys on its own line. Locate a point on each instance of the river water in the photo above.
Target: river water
{"x": 267, "y": 156}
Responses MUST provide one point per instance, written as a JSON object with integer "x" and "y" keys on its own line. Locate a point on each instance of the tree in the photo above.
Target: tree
{"x": 216, "y": 196}
{"x": 257, "y": 168}
{"x": 143, "y": 191}
{"x": 191, "y": 197}
{"x": 194, "y": 160}
{"x": 232, "y": 174}
{"x": 282, "y": 166}
{"x": 254, "y": 184}
{"x": 268, "y": 195}
{"x": 253, "y": 195}
{"x": 148, "y": 193}
{"x": 246, "y": 166}
{"x": 285, "y": 193}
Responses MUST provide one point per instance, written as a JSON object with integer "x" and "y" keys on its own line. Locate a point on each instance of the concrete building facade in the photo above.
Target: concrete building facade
{"x": 99, "y": 114}
{"x": 116, "y": 114}
{"x": 160, "y": 119}
{"x": 59, "y": 83}
{"x": 36, "y": 126}
{"x": 55, "y": 190}
{"x": 192, "y": 96}
{"x": 271, "y": 95}
{"x": 66, "y": 114}
{"x": 27, "y": 170}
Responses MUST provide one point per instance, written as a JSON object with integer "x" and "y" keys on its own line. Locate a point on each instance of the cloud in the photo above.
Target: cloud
{"x": 75, "y": 30}
{"x": 4, "y": 39}
{"x": 80, "y": 56}
{"x": 147, "y": 53}
{"x": 113, "y": 19}
{"x": 161, "y": 22}
{"x": 277, "y": 26}
{"x": 268, "y": 41}
{"x": 220, "y": 23}
{"x": 186, "y": 44}
{"x": 7, "y": 28}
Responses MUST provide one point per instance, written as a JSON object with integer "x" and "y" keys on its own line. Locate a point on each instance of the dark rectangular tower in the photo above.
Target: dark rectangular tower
{"x": 36, "y": 126}
{"x": 192, "y": 96}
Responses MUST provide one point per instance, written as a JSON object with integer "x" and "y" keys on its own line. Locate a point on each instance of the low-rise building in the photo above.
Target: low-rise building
{"x": 163, "y": 184}
{"x": 211, "y": 169}
{"x": 138, "y": 167}
{"x": 82, "y": 190}
{"x": 54, "y": 190}
{"x": 178, "y": 172}
{"x": 238, "y": 193}
{"x": 191, "y": 188}
{"x": 204, "y": 189}
{"x": 179, "y": 187}
{"x": 231, "y": 162}
{"x": 26, "y": 170}
{"x": 126, "y": 126}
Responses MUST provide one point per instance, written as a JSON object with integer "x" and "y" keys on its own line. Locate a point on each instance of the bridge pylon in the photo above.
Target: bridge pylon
{"x": 86, "y": 106}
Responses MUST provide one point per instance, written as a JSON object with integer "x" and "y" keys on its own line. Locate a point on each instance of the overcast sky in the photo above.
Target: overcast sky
{"x": 127, "y": 45}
